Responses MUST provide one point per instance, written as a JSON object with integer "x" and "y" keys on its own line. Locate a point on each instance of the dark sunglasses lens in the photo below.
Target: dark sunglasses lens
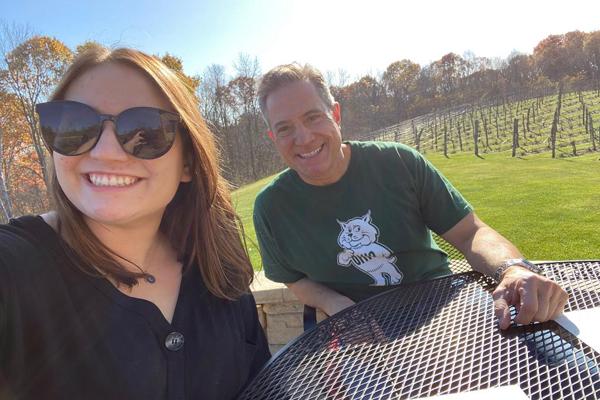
{"x": 68, "y": 128}
{"x": 146, "y": 132}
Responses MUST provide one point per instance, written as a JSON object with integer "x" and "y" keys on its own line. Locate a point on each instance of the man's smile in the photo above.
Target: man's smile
{"x": 312, "y": 153}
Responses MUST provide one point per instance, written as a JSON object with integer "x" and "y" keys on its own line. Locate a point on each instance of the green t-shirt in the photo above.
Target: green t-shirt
{"x": 365, "y": 232}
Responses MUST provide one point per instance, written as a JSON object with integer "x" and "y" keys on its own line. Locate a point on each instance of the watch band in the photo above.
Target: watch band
{"x": 516, "y": 261}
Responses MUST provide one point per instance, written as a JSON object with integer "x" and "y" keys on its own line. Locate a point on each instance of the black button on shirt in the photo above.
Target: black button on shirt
{"x": 174, "y": 341}
{"x": 66, "y": 335}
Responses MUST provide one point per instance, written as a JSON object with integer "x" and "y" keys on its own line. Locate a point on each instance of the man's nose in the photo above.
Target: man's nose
{"x": 303, "y": 134}
{"x": 108, "y": 146}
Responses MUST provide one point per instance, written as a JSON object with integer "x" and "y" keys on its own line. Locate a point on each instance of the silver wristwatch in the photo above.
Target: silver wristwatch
{"x": 516, "y": 261}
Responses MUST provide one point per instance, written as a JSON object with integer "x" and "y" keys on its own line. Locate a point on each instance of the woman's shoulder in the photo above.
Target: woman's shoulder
{"x": 22, "y": 239}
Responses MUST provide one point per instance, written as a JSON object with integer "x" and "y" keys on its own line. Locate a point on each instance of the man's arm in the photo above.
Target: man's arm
{"x": 535, "y": 297}
{"x": 319, "y": 296}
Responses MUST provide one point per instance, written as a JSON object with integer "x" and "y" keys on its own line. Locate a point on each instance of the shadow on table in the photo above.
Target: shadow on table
{"x": 434, "y": 338}
{"x": 347, "y": 353}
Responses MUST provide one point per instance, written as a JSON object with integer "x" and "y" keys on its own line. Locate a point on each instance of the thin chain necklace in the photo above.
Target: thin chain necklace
{"x": 148, "y": 277}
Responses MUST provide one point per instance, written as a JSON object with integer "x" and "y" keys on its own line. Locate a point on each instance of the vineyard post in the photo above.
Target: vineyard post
{"x": 435, "y": 132}
{"x": 459, "y": 136}
{"x": 553, "y": 134}
{"x": 497, "y": 127}
{"x": 592, "y": 133}
{"x": 476, "y": 138}
{"x": 515, "y": 141}
{"x": 485, "y": 130}
{"x": 445, "y": 141}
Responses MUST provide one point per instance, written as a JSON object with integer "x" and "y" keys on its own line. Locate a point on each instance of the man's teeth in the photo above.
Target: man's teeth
{"x": 111, "y": 180}
{"x": 312, "y": 153}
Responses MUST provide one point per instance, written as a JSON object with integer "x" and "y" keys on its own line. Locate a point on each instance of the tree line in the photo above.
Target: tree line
{"x": 31, "y": 65}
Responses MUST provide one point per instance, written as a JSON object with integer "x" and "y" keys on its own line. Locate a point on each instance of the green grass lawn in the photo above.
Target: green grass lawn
{"x": 550, "y": 208}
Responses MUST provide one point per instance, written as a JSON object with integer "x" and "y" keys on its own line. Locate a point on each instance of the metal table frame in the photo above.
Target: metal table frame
{"x": 434, "y": 338}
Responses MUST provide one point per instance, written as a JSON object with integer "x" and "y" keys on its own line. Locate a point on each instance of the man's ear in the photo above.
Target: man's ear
{"x": 336, "y": 112}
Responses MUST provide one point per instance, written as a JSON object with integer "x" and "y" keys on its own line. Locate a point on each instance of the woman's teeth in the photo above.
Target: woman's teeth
{"x": 112, "y": 180}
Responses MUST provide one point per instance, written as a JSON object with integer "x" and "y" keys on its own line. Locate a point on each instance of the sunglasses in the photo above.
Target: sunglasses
{"x": 71, "y": 128}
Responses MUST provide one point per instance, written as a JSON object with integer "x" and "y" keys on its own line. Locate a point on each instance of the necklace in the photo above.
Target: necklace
{"x": 148, "y": 277}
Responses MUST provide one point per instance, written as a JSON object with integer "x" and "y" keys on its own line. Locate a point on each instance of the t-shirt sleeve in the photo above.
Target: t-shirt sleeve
{"x": 276, "y": 267}
{"x": 440, "y": 203}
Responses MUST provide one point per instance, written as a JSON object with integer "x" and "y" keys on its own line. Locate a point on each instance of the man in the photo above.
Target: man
{"x": 349, "y": 219}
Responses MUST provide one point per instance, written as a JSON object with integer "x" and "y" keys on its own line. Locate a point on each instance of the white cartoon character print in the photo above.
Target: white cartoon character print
{"x": 358, "y": 239}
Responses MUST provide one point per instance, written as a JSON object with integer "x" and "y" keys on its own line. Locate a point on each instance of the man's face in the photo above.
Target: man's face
{"x": 307, "y": 133}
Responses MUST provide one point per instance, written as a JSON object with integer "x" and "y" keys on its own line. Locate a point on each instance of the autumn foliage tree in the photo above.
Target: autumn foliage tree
{"x": 176, "y": 65}
{"x": 21, "y": 185}
{"x": 31, "y": 70}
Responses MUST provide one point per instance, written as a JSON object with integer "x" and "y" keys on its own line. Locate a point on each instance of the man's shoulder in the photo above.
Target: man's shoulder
{"x": 276, "y": 186}
{"x": 381, "y": 147}
{"x": 380, "y": 151}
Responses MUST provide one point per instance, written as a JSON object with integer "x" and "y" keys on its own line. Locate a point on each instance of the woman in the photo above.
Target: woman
{"x": 136, "y": 286}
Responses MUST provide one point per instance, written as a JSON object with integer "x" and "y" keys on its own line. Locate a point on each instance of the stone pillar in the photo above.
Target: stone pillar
{"x": 279, "y": 311}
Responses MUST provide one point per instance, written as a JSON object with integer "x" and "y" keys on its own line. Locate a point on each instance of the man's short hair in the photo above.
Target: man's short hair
{"x": 290, "y": 73}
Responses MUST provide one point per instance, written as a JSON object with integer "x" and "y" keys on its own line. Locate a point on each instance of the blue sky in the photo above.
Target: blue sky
{"x": 359, "y": 36}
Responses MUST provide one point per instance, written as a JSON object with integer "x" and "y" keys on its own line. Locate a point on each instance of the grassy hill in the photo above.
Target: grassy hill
{"x": 452, "y": 131}
{"x": 550, "y": 208}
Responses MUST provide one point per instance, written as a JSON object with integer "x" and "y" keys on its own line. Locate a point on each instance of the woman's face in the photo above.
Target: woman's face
{"x": 108, "y": 185}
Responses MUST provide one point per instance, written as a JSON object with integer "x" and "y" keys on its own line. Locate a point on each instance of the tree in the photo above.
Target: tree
{"x": 519, "y": 70}
{"x": 18, "y": 172}
{"x": 448, "y": 72}
{"x": 363, "y": 102}
{"x": 573, "y": 44}
{"x": 216, "y": 105}
{"x": 591, "y": 49}
{"x": 85, "y": 46}
{"x": 243, "y": 88}
{"x": 550, "y": 58}
{"x": 400, "y": 80}
{"x": 30, "y": 71}
{"x": 176, "y": 65}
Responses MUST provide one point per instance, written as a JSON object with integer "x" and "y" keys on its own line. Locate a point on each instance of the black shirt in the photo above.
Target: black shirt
{"x": 67, "y": 335}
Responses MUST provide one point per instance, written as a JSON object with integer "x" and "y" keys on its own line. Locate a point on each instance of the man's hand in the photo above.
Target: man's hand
{"x": 535, "y": 297}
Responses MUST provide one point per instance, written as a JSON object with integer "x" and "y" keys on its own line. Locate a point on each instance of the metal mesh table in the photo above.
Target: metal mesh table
{"x": 434, "y": 338}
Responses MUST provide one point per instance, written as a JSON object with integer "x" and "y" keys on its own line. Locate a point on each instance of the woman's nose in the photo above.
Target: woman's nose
{"x": 107, "y": 146}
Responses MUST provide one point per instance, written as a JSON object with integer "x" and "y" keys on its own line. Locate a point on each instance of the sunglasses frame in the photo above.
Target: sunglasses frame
{"x": 102, "y": 118}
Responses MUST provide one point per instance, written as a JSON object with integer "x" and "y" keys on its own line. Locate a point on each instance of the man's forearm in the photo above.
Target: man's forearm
{"x": 484, "y": 248}
{"x": 488, "y": 250}
{"x": 319, "y": 296}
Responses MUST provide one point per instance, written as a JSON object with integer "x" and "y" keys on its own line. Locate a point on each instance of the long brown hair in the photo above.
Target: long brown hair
{"x": 199, "y": 222}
